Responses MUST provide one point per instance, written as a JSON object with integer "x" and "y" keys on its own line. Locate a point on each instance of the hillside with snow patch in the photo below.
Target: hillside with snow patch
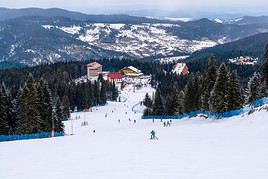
{"x": 137, "y": 40}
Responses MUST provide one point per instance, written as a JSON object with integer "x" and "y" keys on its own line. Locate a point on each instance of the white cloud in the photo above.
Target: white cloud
{"x": 103, "y": 5}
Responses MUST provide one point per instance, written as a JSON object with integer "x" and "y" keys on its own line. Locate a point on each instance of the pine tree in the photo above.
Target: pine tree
{"x": 264, "y": 74}
{"x": 169, "y": 108}
{"x": 17, "y": 108}
{"x": 58, "y": 116}
{"x": 10, "y": 110}
{"x": 180, "y": 100}
{"x": 158, "y": 108}
{"x": 114, "y": 92}
{"x": 173, "y": 103}
{"x": 217, "y": 100}
{"x": 253, "y": 89}
{"x": 45, "y": 105}
{"x": 189, "y": 96}
{"x": 65, "y": 102}
{"x": 103, "y": 97}
{"x": 96, "y": 93}
{"x": 147, "y": 101}
{"x": 208, "y": 83}
{"x": 4, "y": 126}
{"x": 29, "y": 116}
{"x": 263, "y": 90}
{"x": 234, "y": 96}
{"x": 147, "y": 112}
{"x": 197, "y": 90}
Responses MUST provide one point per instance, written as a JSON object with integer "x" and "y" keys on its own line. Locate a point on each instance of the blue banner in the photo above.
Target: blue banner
{"x": 4, "y": 138}
{"x": 246, "y": 109}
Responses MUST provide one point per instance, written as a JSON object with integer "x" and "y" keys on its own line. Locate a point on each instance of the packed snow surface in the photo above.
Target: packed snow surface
{"x": 235, "y": 148}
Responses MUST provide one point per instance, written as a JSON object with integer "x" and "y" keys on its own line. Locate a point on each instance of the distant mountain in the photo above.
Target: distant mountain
{"x": 159, "y": 39}
{"x": 253, "y": 46}
{"x": 39, "y": 36}
{"x": 30, "y": 44}
{"x": 6, "y": 14}
{"x": 205, "y": 28}
{"x": 250, "y": 20}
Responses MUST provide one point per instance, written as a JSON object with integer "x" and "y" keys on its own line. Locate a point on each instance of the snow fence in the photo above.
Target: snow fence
{"x": 5, "y": 138}
{"x": 238, "y": 112}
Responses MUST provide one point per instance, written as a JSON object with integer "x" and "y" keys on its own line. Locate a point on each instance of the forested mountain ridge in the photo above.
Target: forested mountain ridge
{"x": 251, "y": 46}
{"x": 36, "y": 36}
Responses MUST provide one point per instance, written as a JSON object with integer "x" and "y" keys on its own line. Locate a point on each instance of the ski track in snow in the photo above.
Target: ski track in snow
{"x": 196, "y": 148}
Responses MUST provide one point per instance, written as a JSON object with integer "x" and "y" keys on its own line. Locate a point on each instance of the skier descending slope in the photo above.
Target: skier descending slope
{"x": 153, "y": 135}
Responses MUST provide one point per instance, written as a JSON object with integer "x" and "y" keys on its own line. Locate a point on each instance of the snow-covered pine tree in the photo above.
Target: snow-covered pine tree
{"x": 263, "y": 90}
{"x": 208, "y": 83}
{"x": 234, "y": 96}
{"x": 217, "y": 100}
{"x": 253, "y": 92}
{"x": 10, "y": 107}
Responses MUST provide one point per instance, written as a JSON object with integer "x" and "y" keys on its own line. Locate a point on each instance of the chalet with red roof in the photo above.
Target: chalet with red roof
{"x": 180, "y": 69}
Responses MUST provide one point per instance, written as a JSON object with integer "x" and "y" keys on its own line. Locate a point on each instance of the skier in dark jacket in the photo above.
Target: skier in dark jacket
{"x": 152, "y": 134}
{"x": 168, "y": 124}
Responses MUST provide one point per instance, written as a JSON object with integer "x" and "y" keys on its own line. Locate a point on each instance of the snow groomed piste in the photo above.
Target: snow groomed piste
{"x": 193, "y": 148}
{"x": 256, "y": 104}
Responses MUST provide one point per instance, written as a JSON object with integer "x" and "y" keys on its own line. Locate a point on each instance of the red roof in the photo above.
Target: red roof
{"x": 115, "y": 76}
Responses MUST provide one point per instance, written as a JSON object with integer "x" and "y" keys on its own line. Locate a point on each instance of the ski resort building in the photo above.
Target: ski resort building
{"x": 244, "y": 60}
{"x": 93, "y": 71}
{"x": 131, "y": 72}
{"x": 180, "y": 69}
{"x": 115, "y": 77}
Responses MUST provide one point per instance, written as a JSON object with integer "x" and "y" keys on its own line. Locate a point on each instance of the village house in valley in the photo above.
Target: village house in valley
{"x": 180, "y": 69}
{"x": 115, "y": 77}
{"x": 131, "y": 72}
{"x": 127, "y": 75}
{"x": 93, "y": 71}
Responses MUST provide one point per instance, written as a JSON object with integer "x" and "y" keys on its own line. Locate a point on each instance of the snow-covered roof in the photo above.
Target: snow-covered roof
{"x": 134, "y": 69}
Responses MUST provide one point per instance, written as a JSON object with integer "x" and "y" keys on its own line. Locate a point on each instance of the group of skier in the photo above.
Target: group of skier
{"x": 167, "y": 124}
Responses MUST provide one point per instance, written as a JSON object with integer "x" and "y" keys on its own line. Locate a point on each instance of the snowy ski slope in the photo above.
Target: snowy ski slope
{"x": 196, "y": 148}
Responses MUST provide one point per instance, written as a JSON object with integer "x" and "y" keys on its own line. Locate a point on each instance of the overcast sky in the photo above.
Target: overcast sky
{"x": 103, "y": 6}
